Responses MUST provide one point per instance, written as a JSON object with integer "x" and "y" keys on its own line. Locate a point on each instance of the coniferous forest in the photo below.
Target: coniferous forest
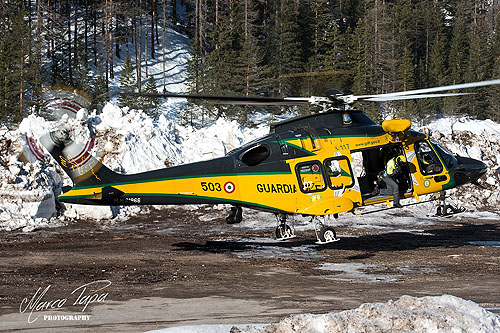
{"x": 257, "y": 47}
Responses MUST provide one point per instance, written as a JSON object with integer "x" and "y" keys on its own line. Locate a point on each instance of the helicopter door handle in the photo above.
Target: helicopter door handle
{"x": 440, "y": 178}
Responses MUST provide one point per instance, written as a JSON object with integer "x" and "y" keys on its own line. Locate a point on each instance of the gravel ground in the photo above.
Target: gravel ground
{"x": 176, "y": 267}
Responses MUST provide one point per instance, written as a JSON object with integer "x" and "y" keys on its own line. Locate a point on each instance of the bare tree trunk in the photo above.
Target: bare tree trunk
{"x": 146, "y": 49}
{"x": 174, "y": 11}
{"x": 75, "y": 37}
{"x": 70, "y": 62}
{"x": 197, "y": 24}
{"x": 217, "y": 46}
{"x": 164, "y": 45}
{"x": 118, "y": 36}
{"x": 156, "y": 24}
{"x": 127, "y": 34}
{"x": 39, "y": 23}
{"x": 376, "y": 48}
{"x": 154, "y": 29}
{"x": 139, "y": 46}
{"x": 52, "y": 39}
{"x": 231, "y": 4}
{"x": 94, "y": 40}
{"x": 86, "y": 36}
{"x": 21, "y": 92}
{"x": 110, "y": 41}
{"x": 246, "y": 20}
{"x": 106, "y": 39}
{"x": 136, "y": 48}
{"x": 216, "y": 12}
{"x": 203, "y": 18}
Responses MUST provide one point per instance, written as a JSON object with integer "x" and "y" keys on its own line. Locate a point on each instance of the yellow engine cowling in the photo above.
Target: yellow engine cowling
{"x": 396, "y": 125}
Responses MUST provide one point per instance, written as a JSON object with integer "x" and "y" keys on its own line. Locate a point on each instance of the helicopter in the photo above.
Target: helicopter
{"x": 320, "y": 164}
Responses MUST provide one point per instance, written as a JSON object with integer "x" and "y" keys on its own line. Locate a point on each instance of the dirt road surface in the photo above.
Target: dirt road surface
{"x": 176, "y": 267}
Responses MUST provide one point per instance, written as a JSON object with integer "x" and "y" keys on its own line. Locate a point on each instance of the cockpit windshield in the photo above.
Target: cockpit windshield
{"x": 447, "y": 156}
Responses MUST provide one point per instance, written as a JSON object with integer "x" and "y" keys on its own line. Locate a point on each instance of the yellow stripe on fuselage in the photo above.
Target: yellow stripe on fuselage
{"x": 274, "y": 190}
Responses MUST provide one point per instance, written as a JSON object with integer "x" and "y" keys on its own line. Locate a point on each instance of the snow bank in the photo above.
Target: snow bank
{"x": 408, "y": 314}
{"x": 478, "y": 139}
{"x": 131, "y": 142}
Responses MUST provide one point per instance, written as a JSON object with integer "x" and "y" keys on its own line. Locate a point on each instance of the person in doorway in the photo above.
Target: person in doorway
{"x": 392, "y": 170}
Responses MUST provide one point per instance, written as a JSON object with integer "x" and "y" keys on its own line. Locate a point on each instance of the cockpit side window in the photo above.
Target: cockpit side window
{"x": 427, "y": 159}
{"x": 445, "y": 154}
{"x": 338, "y": 171}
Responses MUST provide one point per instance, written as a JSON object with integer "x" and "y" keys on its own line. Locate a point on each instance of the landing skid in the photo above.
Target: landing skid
{"x": 283, "y": 230}
{"x": 390, "y": 207}
{"x": 444, "y": 209}
{"x": 324, "y": 234}
{"x": 235, "y": 216}
{"x": 448, "y": 210}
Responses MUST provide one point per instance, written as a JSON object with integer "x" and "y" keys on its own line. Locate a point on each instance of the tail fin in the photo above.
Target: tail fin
{"x": 77, "y": 161}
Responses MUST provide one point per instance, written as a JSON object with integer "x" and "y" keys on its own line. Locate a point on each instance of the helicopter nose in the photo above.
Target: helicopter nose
{"x": 468, "y": 170}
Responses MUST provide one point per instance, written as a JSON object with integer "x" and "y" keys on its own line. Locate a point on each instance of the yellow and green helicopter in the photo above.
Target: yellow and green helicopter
{"x": 320, "y": 164}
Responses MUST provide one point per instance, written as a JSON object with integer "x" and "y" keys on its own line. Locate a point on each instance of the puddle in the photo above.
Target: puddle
{"x": 360, "y": 272}
{"x": 486, "y": 243}
{"x": 271, "y": 248}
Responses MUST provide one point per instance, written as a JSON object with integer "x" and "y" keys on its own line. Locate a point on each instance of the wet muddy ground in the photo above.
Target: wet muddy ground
{"x": 177, "y": 267}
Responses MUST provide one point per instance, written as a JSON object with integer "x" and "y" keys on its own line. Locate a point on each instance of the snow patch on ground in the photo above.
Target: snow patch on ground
{"x": 407, "y": 314}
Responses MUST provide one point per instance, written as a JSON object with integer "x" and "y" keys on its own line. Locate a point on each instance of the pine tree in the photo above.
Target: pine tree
{"x": 84, "y": 79}
{"x": 99, "y": 91}
{"x": 458, "y": 60}
{"x": 150, "y": 104}
{"x": 322, "y": 34}
{"x": 284, "y": 52}
{"x": 406, "y": 76}
{"x": 17, "y": 63}
{"x": 479, "y": 68}
{"x": 127, "y": 84}
{"x": 494, "y": 91}
{"x": 363, "y": 81}
{"x": 250, "y": 57}
{"x": 438, "y": 71}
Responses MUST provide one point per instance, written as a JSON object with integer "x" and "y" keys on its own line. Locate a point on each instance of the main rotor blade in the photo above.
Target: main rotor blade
{"x": 431, "y": 90}
{"x": 235, "y": 100}
{"x": 311, "y": 74}
{"x": 397, "y": 98}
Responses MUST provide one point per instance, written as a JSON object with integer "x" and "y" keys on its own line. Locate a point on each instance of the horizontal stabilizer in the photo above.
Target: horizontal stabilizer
{"x": 107, "y": 192}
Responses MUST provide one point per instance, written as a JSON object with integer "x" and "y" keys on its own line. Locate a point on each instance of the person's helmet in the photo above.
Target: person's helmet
{"x": 401, "y": 160}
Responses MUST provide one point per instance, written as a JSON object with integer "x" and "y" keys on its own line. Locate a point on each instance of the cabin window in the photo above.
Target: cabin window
{"x": 338, "y": 172}
{"x": 446, "y": 155}
{"x": 255, "y": 155}
{"x": 427, "y": 159}
{"x": 310, "y": 176}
